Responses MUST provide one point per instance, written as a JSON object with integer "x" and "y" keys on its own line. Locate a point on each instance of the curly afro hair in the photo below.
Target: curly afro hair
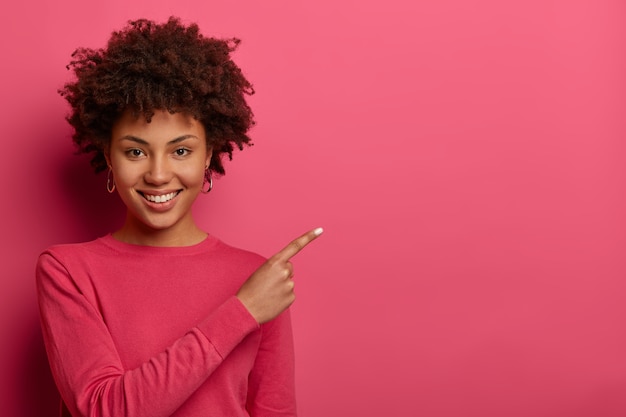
{"x": 147, "y": 67}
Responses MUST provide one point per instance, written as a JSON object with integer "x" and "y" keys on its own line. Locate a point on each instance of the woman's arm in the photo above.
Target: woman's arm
{"x": 271, "y": 391}
{"x": 88, "y": 369}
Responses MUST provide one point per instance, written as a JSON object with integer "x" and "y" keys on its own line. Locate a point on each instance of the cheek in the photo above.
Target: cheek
{"x": 193, "y": 175}
{"x": 124, "y": 175}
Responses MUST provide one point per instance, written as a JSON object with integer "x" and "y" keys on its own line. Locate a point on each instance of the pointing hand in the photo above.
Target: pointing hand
{"x": 269, "y": 290}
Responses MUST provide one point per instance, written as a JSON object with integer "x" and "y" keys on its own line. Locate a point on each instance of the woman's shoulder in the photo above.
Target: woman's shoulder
{"x": 228, "y": 250}
{"x": 60, "y": 262}
{"x": 64, "y": 249}
{"x": 70, "y": 255}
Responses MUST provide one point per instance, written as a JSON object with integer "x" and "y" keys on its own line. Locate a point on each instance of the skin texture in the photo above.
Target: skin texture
{"x": 166, "y": 155}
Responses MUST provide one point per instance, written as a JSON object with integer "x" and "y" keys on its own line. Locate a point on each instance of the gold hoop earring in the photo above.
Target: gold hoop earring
{"x": 207, "y": 179}
{"x": 110, "y": 180}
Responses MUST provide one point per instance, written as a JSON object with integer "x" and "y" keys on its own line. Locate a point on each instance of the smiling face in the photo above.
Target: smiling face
{"x": 158, "y": 169}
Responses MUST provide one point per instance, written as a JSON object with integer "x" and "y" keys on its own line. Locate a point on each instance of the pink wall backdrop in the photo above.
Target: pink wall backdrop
{"x": 466, "y": 159}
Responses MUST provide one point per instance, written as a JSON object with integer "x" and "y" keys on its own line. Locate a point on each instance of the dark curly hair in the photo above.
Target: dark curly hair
{"x": 147, "y": 67}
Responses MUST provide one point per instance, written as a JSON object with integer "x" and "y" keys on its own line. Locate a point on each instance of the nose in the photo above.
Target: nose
{"x": 159, "y": 171}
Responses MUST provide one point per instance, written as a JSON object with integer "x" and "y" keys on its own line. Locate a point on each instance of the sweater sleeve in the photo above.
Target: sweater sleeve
{"x": 88, "y": 370}
{"x": 271, "y": 388}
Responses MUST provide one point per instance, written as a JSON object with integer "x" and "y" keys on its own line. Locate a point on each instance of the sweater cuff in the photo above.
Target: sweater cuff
{"x": 228, "y": 325}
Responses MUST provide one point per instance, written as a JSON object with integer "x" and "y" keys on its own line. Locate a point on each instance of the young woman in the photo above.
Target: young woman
{"x": 160, "y": 318}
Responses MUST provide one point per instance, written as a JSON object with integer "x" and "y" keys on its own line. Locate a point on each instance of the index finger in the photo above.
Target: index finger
{"x": 298, "y": 244}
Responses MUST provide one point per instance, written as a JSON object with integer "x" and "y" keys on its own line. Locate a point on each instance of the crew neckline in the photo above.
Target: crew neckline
{"x": 207, "y": 243}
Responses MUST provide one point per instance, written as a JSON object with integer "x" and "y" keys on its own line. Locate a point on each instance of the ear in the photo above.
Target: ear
{"x": 107, "y": 155}
{"x": 209, "y": 154}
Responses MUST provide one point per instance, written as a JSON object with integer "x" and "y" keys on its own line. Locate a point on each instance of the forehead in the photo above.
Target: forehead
{"x": 162, "y": 126}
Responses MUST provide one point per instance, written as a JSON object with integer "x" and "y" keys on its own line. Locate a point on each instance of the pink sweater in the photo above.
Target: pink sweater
{"x": 157, "y": 331}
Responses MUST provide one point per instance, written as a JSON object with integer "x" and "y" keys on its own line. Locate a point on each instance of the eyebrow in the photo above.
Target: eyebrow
{"x": 144, "y": 142}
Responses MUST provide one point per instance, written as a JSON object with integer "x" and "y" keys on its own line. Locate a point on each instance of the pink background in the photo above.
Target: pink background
{"x": 466, "y": 158}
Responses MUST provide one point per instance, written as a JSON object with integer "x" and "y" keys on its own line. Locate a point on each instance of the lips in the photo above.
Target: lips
{"x": 160, "y": 198}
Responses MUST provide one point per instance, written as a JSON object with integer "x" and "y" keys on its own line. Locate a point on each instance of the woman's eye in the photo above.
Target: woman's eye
{"x": 135, "y": 153}
{"x": 181, "y": 151}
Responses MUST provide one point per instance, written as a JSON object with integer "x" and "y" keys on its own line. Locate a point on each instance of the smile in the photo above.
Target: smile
{"x": 164, "y": 198}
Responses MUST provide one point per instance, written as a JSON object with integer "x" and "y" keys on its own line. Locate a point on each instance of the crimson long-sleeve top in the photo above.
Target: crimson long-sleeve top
{"x": 157, "y": 331}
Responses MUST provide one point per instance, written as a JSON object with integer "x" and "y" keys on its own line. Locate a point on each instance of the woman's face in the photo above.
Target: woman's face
{"x": 158, "y": 169}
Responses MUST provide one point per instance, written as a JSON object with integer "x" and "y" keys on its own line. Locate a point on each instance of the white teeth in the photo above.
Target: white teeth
{"x": 159, "y": 198}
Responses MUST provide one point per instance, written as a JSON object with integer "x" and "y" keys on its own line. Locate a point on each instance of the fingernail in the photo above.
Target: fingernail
{"x": 318, "y": 231}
